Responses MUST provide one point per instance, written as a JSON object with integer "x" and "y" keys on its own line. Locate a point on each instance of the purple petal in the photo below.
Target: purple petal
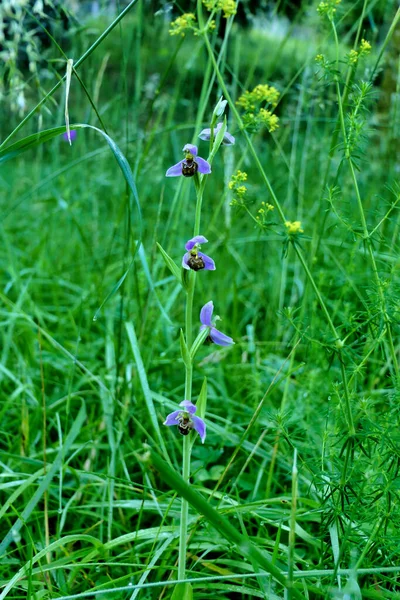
{"x": 200, "y": 427}
{"x": 190, "y": 148}
{"x": 188, "y": 406}
{"x": 209, "y": 264}
{"x": 203, "y": 165}
{"x": 228, "y": 139}
{"x": 175, "y": 171}
{"x": 185, "y": 259}
{"x": 172, "y": 418}
{"x": 72, "y": 135}
{"x": 220, "y": 338}
{"x": 205, "y": 134}
{"x": 206, "y": 314}
{"x": 198, "y": 239}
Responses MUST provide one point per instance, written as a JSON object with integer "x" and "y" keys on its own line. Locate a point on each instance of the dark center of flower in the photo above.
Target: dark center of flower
{"x": 189, "y": 166}
{"x": 185, "y": 424}
{"x": 195, "y": 261}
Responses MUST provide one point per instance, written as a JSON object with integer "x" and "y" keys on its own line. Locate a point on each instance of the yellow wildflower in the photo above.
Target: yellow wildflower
{"x": 365, "y": 48}
{"x": 268, "y": 119}
{"x": 353, "y": 57}
{"x": 293, "y": 227}
{"x": 228, "y": 7}
{"x": 182, "y": 23}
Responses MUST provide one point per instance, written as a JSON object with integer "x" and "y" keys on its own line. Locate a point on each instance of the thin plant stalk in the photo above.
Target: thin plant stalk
{"x": 366, "y": 235}
{"x": 186, "y": 450}
{"x": 338, "y": 343}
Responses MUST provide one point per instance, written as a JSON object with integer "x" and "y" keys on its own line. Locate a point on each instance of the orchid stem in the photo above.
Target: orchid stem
{"x": 199, "y": 184}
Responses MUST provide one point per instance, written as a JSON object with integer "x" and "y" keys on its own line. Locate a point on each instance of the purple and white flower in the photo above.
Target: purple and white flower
{"x": 228, "y": 139}
{"x": 195, "y": 260}
{"x": 186, "y": 420}
{"x": 190, "y": 165}
{"x": 216, "y": 336}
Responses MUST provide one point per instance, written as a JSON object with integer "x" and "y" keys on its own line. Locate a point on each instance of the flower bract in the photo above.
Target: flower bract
{"x": 190, "y": 165}
{"x": 228, "y": 139}
{"x": 186, "y": 420}
{"x": 195, "y": 260}
{"x": 216, "y": 336}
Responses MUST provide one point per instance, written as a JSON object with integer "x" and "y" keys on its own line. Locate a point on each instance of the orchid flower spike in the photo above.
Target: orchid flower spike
{"x": 186, "y": 420}
{"x": 228, "y": 139}
{"x": 195, "y": 260}
{"x": 216, "y": 336}
{"x": 190, "y": 165}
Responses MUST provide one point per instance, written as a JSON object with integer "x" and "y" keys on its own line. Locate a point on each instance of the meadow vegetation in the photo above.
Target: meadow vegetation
{"x": 295, "y": 491}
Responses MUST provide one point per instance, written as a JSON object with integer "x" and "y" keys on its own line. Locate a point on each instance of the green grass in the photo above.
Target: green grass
{"x": 87, "y": 505}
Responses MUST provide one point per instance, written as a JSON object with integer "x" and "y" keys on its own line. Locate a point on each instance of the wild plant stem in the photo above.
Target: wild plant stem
{"x": 366, "y": 235}
{"x": 186, "y": 450}
{"x": 184, "y": 509}
{"x": 281, "y": 215}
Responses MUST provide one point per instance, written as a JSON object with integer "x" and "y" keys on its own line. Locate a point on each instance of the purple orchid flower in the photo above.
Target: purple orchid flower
{"x": 228, "y": 139}
{"x": 72, "y": 134}
{"x": 216, "y": 336}
{"x": 195, "y": 260}
{"x": 186, "y": 420}
{"x": 190, "y": 165}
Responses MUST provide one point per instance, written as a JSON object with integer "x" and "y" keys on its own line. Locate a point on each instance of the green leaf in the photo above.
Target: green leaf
{"x": 182, "y": 591}
{"x": 31, "y": 141}
{"x": 172, "y": 266}
{"x": 218, "y": 141}
{"x": 145, "y": 385}
{"x": 244, "y": 546}
{"x": 45, "y": 483}
{"x": 202, "y": 400}
{"x": 184, "y": 350}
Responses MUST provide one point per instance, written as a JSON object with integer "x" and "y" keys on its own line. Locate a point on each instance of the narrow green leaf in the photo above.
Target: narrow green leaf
{"x": 172, "y": 266}
{"x": 31, "y": 141}
{"x": 184, "y": 350}
{"x": 218, "y": 141}
{"x": 221, "y": 524}
{"x": 182, "y": 591}
{"x": 145, "y": 385}
{"x": 62, "y": 542}
{"x": 45, "y": 483}
{"x": 70, "y": 63}
{"x": 143, "y": 260}
{"x": 202, "y": 400}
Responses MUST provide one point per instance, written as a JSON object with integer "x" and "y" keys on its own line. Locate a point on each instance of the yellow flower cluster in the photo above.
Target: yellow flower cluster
{"x": 249, "y": 101}
{"x": 236, "y": 185}
{"x": 353, "y": 57}
{"x": 263, "y": 212}
{"x": 228, "y": 7}
{"x": 293, "y": 227}
{"x": 261, "y": 93}
{"x": 268, "y": 119}
{"x": 328, "y": 7}
{"x": 365, "y": 48}
{"x": 320, "y": 58}
{"x": 182, "y": 24}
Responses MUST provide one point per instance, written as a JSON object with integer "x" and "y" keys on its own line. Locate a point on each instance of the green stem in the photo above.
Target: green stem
{"x": 378, "y": 281}
{"x": 280, "y": 212}
{"x": 184, "y": 509}
{"x": 364, "y": 225}
{"x": 186, "y": 450}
